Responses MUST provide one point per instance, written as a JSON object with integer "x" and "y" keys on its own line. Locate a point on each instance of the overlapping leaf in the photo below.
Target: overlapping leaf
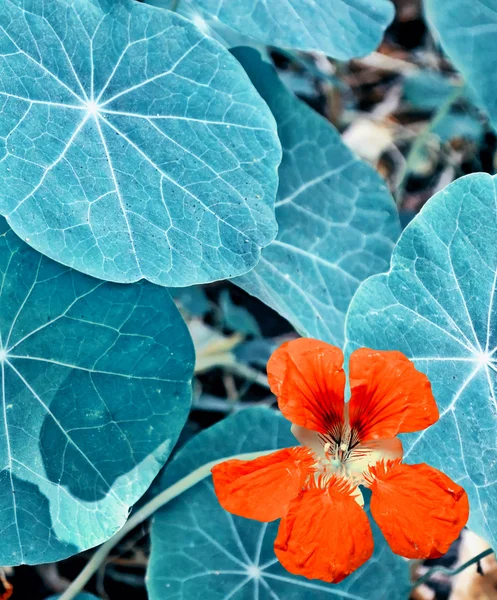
{"x": 200, "y": 550}
{"x": 95, "y": 391}
{"x": 342, "y": 29}
{"x": 438, "y": 306}
{"x": 466, "y": 29}
{"x": 132, "y": 145}
{"x": 337, "y": 221}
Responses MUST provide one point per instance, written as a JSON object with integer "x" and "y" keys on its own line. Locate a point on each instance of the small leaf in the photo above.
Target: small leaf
{"x": 458, "y": 125}
{"x": 342, "y": 29}
{"x": 133, "y": 147}
{"x": 96, "y": 387}
{"x": 200, "y": 550}
{"x": 193, "y": 300}
{"x": 427, "y": 90}
{"x": 237, "y": 318}
{"x": 467, "y": 34}
{"x": 437, "y": 305}
{"x": 256, "y": 351}
{"x": 337, "y": 221}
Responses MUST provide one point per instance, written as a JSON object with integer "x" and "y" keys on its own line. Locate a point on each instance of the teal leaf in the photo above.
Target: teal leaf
{"x": 96, "y": 387}
{"x": 256, "y": 351}
{"x": 237, "y": 318}
{"x": 337, "y": 221}
{"x": 133, "y": 147}
{"x": 342, "y": 29}
{"x": 457, "y": 125}
{"x": 437, "y": 305}
{"x": 200, "y": 550}
{"x": 214, "y": 28}
{"x": 427, "y": 90}
{"x": 193, "y": 300}
{"x": 467, "y": 33}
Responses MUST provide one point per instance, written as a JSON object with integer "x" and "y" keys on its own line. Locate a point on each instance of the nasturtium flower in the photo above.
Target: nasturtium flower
{"x": 324, "y": 532}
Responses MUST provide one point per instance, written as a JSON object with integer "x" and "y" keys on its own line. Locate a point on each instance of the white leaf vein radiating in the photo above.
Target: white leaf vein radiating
{"x": 223, "y": 242}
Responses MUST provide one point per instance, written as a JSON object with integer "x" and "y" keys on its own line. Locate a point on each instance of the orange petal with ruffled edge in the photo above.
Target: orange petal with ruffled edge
{"x": 307, "y": 377}
{"x": 326, "y": 534}
{"x": 263, "y": 488}
{"x": 418, "y": 508}
{"x": 388, "y": 395}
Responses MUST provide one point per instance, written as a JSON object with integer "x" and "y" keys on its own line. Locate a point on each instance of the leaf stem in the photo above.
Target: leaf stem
{"x": 422, "y": 138}
{"x": 141, "y": 515}
{"x": 174, "y": 5}
{"x": 250, "y": 374}
{"x": 450, "y": 572}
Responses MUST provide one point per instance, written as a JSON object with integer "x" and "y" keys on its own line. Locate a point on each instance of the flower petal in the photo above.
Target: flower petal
{"x": 307, "y": 377}
{"x": 262, "y": 488}
{"x": 388, "y": 395}
{"x": 325, "y": 535}
{"x": 309, "y": 438}
{"x": 419, "y": 509}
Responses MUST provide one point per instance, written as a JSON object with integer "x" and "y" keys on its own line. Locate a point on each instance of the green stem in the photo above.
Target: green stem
{"x": 174, "y": 5}
{"x": 422, "y": 138}
{"x": 451, "y": 572}
{"x": 228, "y": 362}
{"x": 252, "y": 375}
{"x": 141, "y": 515}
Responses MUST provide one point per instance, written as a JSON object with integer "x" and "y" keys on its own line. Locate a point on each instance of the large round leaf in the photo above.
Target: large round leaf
{"x": 132, "y": 145}
{"x": 200, "y": 550}
{"x": 337, "y": 221}
{"x": 95, "y": 391}
{"x": 466, "y": 29}
{"x": 342, "y": 29}
{"x": 438, "y": 306}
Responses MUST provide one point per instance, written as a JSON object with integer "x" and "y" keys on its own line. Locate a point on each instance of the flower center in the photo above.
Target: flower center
{"x": 339, "y": 444}
{"x": 344, "y": 455}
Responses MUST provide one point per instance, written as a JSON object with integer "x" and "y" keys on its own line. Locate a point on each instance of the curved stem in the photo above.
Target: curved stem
{"x": 445, "y": 571}
{"x": 144, "y": 513}
{"x": 250, "y": 374}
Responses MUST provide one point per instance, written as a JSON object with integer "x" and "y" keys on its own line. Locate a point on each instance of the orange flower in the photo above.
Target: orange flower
{"x": 324, "y": 533}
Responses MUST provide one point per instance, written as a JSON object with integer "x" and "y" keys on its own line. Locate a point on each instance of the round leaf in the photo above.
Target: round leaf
{"x": 438, "y": 306}
{"x": 200, "y": 550}
{"x": 467, "y": 34}
{"x": 342, "y": 29}
{"x": 132, "y": 145}
{"x": 96, "y": 387}
{"x": 337, "y": 221}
